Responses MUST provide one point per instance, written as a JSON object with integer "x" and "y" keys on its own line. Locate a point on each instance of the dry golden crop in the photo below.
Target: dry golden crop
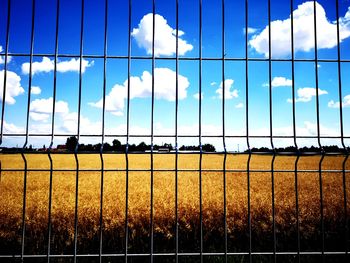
{"x": 139, "y": 205}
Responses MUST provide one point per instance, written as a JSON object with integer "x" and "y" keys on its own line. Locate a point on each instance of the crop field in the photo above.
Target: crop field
{"x": 307, "y": 181}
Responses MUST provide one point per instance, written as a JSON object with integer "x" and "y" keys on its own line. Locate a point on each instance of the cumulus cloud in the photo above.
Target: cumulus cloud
{"x": 303, "y": 18}
{"x": 229, "y": 92}
{"x": 12, "y": 128}
{"x": 196, "y": 96}
{"x": 70, "y": 124}
{"x": 114, "y": 100}
{"x": 13, "y": 86}
{"x": 2, "y": 58}
{"x": 48, "y": 65}
{"x": 36, "y": 90}
{"x": 39, "y": 116}
{"x": 345, "y": 104}
{"x": 307, "y": 128}
{"x": 164, "y": 37}
{"x": 280, "y": 82}
{"x": 250, "y": 30}
{"x": 239, "y": 105}
{"x": 41, "y": 109}
{"x": 306, "y": 94}
{"x": 310, "y": 128}
{"x": 141, "y": 87}
{"x": 67, "y": 124}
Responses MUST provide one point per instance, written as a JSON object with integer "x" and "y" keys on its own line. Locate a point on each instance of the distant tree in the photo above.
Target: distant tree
{"x": 142, "y": 146}
{"x": 332, "y": 148}
{"x": 155, "y": 147}
{"x": 116, "y": 145}
{"x": 71, "y": 143}
{"x": 310, "y": 149}
{"x": 208, "y": 148}
{"x": 107, "y": 147}
{"x": 88, "y": 147}
{"x": 264, "y": 149}
{"x": 291, "y": 149}
{"x": 132, "y": 147}
{"x": 169, "y": 146}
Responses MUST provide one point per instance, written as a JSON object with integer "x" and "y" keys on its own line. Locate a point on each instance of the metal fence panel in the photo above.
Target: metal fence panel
{"x": 226, "y": 254}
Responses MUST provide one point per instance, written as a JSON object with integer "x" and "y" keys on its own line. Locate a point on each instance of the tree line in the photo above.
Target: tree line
{"x": 116, "y": 145}
{"x": 293, "y": 149}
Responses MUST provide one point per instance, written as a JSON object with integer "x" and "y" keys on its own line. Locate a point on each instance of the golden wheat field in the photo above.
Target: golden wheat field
{"x": 139, "y": 205}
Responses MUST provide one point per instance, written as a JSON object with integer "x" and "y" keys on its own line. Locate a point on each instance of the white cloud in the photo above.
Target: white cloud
{"x": 13, "y": 86}
{"x": 39, "y": 116}
{"x": 306, "y": 94}
{"x": 229, "y": 94}
{"x": 307, "y": 129}
{"x": 114, "y": 100}
{"x": 141, "y": 87}
{"x": 117, "y": 113}
{"x": 280, "y": 82}
{"x": 12, "y": 128}
{"x": 41, "y": 109}
{"x": 196, "y": 96}
{"x": 67, "y": 124}
{"x": 66, "y": 121}
{"x": 213, "y": 83}
{"x": 70, "y": 124}
{"x": 48, "y": 65}
{"x": 191, "y": 130}
{"x": 2, "y": 58}
{"x": 36, "y": 90}
{"x": 250, "y": 30}
{"x": 345, "y": 104}
{"x": 164, "y": 38}
{"x": 239, "y": 105}
{"x": 303, "y": 18}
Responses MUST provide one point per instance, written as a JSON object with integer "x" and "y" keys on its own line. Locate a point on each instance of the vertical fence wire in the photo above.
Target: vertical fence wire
{"x": 49, "y": 227}
{"x": 76, "y": 215}
{"x": 176, "y": 133}
{"x": 296, "y": 181}
{"x": 271, "y": 136}
{"x": 319, "y": 133}
{"x": 246, "y": 6}
{"x": 223, "y": 123}
{"x": 200, "y": 131}
{"x": 127, "y": 136}
{"x": 152, "y": 129}
{"x": 24, "y": 206}
{"x": 103, "y": 125}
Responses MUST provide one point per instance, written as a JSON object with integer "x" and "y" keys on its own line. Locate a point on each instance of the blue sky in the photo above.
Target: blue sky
{"x": 17, "y": 86}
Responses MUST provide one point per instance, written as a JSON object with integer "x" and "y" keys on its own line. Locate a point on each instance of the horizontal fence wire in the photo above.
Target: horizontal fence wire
{"x": 133, "y": 57}
{"x": 250, "y": 170}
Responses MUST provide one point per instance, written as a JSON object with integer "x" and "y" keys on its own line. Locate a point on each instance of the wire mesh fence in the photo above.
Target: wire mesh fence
{"x": 159, "y": 202}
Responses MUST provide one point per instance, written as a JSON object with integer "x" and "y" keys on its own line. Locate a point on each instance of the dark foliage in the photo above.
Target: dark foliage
{"x": 206, "y": 148}
{"x": 71, "y": 143}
